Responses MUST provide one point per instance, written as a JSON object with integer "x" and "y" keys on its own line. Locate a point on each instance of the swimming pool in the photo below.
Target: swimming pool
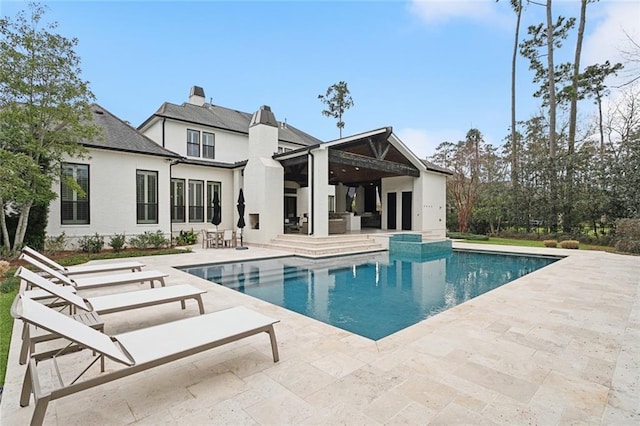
{"x": 373, "y": 295}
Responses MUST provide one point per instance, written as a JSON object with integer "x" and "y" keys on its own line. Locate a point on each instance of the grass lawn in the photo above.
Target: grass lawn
{"x": 6, "y": 299}
{"x": 6, "y": 325}
{"x": 533, "y": 243}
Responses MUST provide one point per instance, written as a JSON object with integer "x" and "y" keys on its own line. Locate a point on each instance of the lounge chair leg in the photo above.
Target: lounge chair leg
{"x": 274, "y": 344}
{"x": 41, "y": 409}
{"x": 25, "y": 394}
{"x": 200, "y": 304}
{"x": 184, "y": 306}
{"x": 24, "y": 350}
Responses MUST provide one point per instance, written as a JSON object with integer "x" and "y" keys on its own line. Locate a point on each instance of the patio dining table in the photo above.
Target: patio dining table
{"x": 214, "y": 238}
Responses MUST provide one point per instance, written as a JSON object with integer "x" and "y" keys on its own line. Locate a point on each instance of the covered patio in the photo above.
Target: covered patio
{"x": 370, "y": 180}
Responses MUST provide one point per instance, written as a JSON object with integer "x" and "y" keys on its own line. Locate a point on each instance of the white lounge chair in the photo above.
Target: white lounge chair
{"x": 131, "y": 266}
{"x": 101, "y": 280}
{"x": 101, "y": 304}
{"x": 137, "y": 350}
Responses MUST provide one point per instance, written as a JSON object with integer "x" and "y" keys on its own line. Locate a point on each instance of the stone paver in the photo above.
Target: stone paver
{"x": 557, "y": 346}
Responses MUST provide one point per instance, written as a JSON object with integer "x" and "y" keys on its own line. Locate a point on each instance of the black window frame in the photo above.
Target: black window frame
{"x": 78, "y": 204}
{"x": 146, "y": 211}
{"x": 191, "y": 145}
{"x": 196, "y": 212}
{"x": 209, "y": 150}
{"x": 178, "y": 211}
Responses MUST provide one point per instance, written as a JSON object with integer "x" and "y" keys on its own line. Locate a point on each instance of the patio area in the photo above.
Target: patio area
{"x": 557, "y": 346}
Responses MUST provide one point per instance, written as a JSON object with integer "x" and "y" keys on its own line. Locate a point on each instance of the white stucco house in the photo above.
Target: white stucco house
{"x": 163, "y": 176}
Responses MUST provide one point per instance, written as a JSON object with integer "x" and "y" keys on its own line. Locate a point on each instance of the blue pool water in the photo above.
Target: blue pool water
{"x": 373, "y": 295}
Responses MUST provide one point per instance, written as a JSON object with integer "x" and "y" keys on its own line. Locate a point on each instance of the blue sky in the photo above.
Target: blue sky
{"x": 430, "y": 69}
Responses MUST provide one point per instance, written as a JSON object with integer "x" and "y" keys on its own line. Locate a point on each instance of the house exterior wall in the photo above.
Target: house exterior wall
{"x": 263, "y": 186}
{"x": 229, "y": 147}
{"x": 434, "y": 202}
{"x": 154, "y": 132}
{"x": 227, "y": 199}
{"x": 428, "y": 202}
{"x": 398, "y": 184}
{"x": 320, "y": 192}
{"x": 112, "y": 197}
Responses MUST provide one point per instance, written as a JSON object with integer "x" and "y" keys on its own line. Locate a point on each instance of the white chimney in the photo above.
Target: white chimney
{"x": 196, "y": 96}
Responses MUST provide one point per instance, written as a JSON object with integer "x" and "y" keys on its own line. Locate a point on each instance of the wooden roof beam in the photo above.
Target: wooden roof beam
{"x": 357, "y": 160}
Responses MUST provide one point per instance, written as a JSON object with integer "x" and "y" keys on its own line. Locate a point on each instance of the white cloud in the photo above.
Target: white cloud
{"x": 608, "y": 38}
{"x": 423, "y": 143}
{"x": 441, "y": 11}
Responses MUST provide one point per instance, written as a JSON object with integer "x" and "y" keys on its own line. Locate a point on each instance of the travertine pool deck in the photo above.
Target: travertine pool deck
{"x": 558, "y": 346}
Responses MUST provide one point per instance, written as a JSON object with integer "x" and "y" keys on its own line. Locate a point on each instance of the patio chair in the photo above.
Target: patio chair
{"x": 98, "y": 281}
{"x": 135, "y": 351}
{"x": 132, "y": 266}
{"x": 100, "y": 304}
{"x": 209, "y": 238}
{"x": 228, "y": 238}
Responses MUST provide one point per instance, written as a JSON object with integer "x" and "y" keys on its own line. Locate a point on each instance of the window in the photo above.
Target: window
{"x": 146, "y": 196}
{"x": 212, "y": 188}
{"x": 283, "y": 149}
{"x": 208, "y": 145}
{"x": 75, "y": 206}
{"x": 332, "y": 203}
{"x": 196, "y": 204}
{"x": 177, "y": 200}
{"x": 193, "y": 143}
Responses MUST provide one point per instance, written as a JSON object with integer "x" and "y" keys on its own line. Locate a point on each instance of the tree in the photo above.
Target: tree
{"x": 592, "y": 85}
{"x": 548, "y": 37}
{"x": 516, "y": 5}
{"x": 338, "y": 100}
{"x": 569, "y": 220}
{"x": 631, "y": 55}
{"x": 469, "y": 161}
{"x": 44, "y": 114}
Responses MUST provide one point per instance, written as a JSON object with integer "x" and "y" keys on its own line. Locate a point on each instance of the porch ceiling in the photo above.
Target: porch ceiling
{"x": 364, "y": 160}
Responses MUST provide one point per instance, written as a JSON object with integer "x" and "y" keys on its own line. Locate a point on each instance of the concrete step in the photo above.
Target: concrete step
{"x": 321, "y": 242}
{"x": 324, "y": 246}
{"x": 326, "y": 250}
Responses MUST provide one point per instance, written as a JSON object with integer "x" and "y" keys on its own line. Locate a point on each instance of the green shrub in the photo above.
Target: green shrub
{"x": 628, "y": 229}
{"x": 117, "y": 242}
{"x": 467, "y": 236}
{"x": 570, "y": 244}
{"x": 550, "y": 243}
{"x": 149, "y": 240}
{"x": 628, "y": 235}
{"x": 53, "y": 245}
{"x": 158, "y": 240}
{"x": 628, "y": 246}
{"x": 139, "y": 242}
{"x": 92, "y": 244}
{"x": 186, "y": 238}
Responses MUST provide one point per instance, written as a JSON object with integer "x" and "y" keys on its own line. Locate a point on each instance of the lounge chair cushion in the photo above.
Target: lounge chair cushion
{"x": 64, "y": 326}
{"x": 83, "y": 269}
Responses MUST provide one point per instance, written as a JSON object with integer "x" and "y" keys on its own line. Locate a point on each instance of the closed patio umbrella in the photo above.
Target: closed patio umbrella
{"x": 241, "y": 223}
{"x": 217, "y": 212}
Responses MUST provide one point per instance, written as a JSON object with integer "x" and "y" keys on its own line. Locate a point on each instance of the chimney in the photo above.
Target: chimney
{"x": 264, "y": 116}
{"x": 196, "y": 96}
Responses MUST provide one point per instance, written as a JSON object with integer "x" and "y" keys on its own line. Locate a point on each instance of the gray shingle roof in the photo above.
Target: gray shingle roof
{"x": 226, "y": 119}
{"x": 120, "y": 136}
{"x": 435, "y": 168}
